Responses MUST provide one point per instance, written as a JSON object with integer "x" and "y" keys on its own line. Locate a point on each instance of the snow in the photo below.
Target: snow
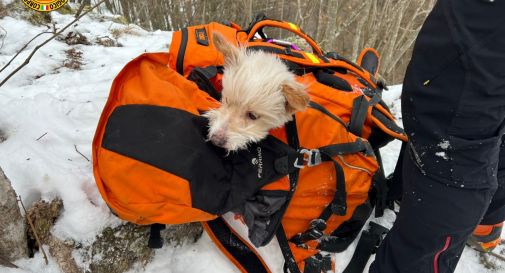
{"x": 444, "y": 144}
{"x": 442, "y": 155}
{"x": 49, "y": 114}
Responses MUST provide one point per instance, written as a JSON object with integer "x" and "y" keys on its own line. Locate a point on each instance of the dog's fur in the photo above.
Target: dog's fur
{"x": 259, "y": 93}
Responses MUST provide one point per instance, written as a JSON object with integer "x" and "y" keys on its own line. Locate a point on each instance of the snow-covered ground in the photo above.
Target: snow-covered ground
{"x": 49, "y": 113}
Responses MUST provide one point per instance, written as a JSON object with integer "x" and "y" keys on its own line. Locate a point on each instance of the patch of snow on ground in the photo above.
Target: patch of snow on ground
{"x": 49, "y": 113}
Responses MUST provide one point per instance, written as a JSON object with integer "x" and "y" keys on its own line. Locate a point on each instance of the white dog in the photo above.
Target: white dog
{"x": 259, "y": 93}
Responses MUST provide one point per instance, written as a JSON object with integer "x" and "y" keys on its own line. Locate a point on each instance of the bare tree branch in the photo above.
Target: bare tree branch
{"x": 47, "y": 41}
{"x": 23, "y": 48}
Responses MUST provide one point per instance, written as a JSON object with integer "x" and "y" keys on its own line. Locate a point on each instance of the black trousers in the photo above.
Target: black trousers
{"x": 453, "y": 167}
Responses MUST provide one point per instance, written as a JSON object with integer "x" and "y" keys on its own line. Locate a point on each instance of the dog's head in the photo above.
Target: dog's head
{"x": 259, "y": 93}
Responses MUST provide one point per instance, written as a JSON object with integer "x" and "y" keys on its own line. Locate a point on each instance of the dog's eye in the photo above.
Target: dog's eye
{"x": 252, "y": 116}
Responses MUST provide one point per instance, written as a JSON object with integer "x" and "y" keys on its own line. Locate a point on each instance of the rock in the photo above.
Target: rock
{"x": 107, "y": 42}
{"x": 13, "y": 243}
{"x": 120, "y": 248}
{"x": 43, "y": 216}
{"x": 115, "y": 250}
{"x": 176, "y": 235}
{"x": 74, "y": 38}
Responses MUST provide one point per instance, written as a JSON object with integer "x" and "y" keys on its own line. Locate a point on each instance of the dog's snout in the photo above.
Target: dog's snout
{"x": 218, "y": 138}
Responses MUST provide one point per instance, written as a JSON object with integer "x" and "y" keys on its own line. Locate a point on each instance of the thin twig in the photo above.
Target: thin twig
{"x": 41, "y": 136}
{"x": 7, "y": 263}
{"x": 75, "y": 146}
{"x": 33, "y": 230}
{"x": 47, "y": 41}
{"x": 496, "y": 255}
{"x": 79, "y": 10}
{"x": 23, "y": 48}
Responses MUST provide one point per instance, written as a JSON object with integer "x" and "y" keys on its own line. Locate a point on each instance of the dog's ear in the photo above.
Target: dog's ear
{"x": 230, "y": 52}
{"x": 297, "y": 98}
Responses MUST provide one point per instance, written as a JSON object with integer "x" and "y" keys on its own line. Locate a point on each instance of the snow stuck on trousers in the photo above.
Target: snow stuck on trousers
{"x": 49, "y": 113}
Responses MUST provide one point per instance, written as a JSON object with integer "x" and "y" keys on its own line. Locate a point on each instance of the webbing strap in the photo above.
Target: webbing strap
{"x": 367, "y": 245}
{"x": 202, "y": 75}
{"x": 290, "y": 265}
{"x": 338, "y": 205}
{"x": 317, "y": 264}
{"x": 390, "y": 124}
{"x": 234, "y": 248}
{"x": 326, "y": 112}
{"x": 359, "y": 145}
{"x": 380, "y": 186}
{"x": 289, "y": 261}
{"x": 358, "y": 115}
{"x": 155, "y": 240}
{"x": 347, "y": 232}
{"x": 275, "y": 50}
{"x": 332, "y": 81}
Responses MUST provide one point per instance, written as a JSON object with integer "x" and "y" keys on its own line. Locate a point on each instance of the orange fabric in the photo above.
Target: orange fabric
{"x": 491, "y": 245}
{"x": 147, "y": 80}
{"x": 197, "y": 54}
{"x": 483, "y": 230}
{"x": 160, "y": 192}
{"x": 165, "y": 198}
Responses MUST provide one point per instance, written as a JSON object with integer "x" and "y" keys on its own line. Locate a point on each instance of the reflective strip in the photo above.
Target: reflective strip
{"x": 293, "y": 26}
{"x": 312, "y": 57}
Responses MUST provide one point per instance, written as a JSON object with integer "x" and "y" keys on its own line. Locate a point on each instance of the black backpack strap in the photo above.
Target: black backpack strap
{"x": 234, "y": 247}
{"x": 380, "y": 187}
{"x": 328, "y": 113}
{"x": 290, "y": 265}
{"x": 348, "y": 231}
{"x": 155, "y": 240}
{"x": 289, "y": 261}
{"x": 367, "y": 245}
{"x": 318, "y": 263}
{"x": 394, "y": 181}
{"x": 331, "y": 80}
{"x": 202, "y": 77}
{"x": 338, "y": 205}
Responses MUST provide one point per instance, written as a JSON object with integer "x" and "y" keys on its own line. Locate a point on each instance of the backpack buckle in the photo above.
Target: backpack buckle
{"x": 310, "y": 158}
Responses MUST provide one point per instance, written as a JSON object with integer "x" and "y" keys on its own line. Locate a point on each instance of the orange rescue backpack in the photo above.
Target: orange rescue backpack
{"x": 312, "y": 184}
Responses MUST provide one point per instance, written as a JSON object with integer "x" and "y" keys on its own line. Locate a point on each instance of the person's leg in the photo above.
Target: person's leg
{"x": 417, "y": 243}
{"x": 454, "y": 112}
{"x": 495, "y": 214}
{"x": 487, "y": 235}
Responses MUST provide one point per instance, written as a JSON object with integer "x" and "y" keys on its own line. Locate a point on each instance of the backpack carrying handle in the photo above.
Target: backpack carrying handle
{"x": 287, "y": 26}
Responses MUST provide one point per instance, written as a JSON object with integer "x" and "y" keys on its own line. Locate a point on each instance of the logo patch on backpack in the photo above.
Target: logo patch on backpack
{"x": 201, "y": 36}
{"x": 258, "y": 162}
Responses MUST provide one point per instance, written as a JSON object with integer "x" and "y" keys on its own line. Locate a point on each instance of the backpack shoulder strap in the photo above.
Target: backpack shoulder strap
{"x": 234, "y": 247}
